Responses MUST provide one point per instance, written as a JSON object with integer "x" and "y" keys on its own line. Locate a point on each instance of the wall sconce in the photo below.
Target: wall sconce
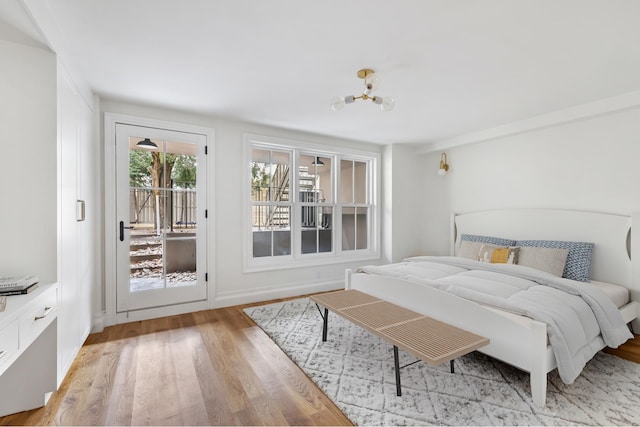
{"x": 444, "y": 167}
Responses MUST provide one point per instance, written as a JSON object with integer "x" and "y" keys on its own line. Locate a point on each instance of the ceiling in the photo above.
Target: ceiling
{"x": 453, "y": 66}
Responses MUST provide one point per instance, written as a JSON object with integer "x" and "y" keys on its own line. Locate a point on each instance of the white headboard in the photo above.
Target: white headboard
{"x": 610, "y": 233}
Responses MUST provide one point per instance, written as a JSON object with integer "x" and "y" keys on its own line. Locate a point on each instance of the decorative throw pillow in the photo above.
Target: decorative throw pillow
{"x": 498, "y": 255}
{"x": 578, "y": 259}
{"x": 551, "y": 260}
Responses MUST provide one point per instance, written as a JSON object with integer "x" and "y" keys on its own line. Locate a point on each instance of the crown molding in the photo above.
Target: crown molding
{"x": 592, "y": 109}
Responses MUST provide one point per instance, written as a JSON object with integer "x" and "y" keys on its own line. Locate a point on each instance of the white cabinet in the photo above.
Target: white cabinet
{"x": 77, "y": 218}
{"x": 49, "y": 150}
{"x": 29, "y": 217}
{"x": 28, "y": 355}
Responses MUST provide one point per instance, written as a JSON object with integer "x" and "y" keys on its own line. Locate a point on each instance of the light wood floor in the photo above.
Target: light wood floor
{"x": 629, "y": 350}
{"x": 213, "y": 367}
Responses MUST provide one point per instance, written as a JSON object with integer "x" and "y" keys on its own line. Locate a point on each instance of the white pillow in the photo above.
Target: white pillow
{"x": 551, "y": 260}
{"x": 469, "y": 249}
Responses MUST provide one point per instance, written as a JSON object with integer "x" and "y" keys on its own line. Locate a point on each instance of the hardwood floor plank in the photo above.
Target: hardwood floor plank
{"x": 184, "y": 339}
{"x": 269, "y": 410}
{"x": 151, "y": 378}
{"x": 93, "y": 385}
{"x": 87, "y": 383}
{"x": 228, "y": 382}
{"x": 119, "y": 408}
{"x": 288, "y": 381}
{"x": 210, "y": 379}
{"x": 234, "y": 359}
{"x": 328, "y": 417}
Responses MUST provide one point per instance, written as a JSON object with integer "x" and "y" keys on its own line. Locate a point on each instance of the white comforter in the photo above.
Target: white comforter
{"x": 579, "y": 316}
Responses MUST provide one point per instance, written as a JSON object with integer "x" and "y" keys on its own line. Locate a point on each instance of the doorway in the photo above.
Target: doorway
{"x": 161, "y": 234}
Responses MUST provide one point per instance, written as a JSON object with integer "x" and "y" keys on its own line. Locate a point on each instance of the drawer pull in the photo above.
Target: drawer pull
{"x": 2, "y": 353}
{"x": 47, "y": 310}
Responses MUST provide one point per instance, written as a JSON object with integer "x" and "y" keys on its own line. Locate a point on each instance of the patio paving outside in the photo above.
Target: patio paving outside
{"x": 146, "y": 269}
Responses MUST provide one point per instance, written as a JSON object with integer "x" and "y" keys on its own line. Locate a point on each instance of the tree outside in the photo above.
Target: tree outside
{"x": 152, "y": 178}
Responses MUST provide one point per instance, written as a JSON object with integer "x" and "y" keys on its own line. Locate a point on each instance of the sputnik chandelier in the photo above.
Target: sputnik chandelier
{"x": 371, "y": 83}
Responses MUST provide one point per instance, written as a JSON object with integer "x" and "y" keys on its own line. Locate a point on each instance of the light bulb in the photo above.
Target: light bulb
{"x": 337, "y": 103}
{"x": 388, "y": 103}
{"x": 442, "y": 172}
{"x": 371, "y": 82}
{"x": 349, "y": 99}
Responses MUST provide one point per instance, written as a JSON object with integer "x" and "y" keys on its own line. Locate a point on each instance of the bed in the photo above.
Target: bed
{"x": 515, "y": 338}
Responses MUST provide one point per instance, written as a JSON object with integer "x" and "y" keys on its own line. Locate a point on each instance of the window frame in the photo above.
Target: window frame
{"x": 298, "y": 259}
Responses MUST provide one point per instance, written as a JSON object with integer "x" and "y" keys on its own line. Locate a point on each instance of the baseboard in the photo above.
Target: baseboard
{"x": 97, "y": 325}
{"x": 257, "y": 295}
{"x": 67, "y": 365}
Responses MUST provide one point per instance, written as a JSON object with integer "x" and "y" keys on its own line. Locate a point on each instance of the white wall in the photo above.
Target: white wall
{"x": 590, "y": 164}
{"x": 28, "y": 241}
{"x": 231, "y": 285}
{"x": 403, "y": 204}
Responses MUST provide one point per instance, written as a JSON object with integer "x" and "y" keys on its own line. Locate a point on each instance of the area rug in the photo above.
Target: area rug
{"x": 355, "y": 370}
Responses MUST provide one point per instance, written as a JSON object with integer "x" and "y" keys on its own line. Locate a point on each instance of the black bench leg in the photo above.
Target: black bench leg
{"x": 451, "y": 364}
{"x": 325, "y": 324}
{"x": 396, "y": 363}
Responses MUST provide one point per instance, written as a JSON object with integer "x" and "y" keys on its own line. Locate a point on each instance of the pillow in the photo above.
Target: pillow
{"x": 551, "y": 260}
{"x": 578, "y": 259}
{"x": 469, "y": 249}
{"x": 487, "y": 239}
{"x": 498, "y": 255}
{"x": 470, "y": 244}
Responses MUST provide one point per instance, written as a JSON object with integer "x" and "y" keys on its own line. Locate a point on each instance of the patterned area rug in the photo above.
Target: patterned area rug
{"x": 355, "y": 369}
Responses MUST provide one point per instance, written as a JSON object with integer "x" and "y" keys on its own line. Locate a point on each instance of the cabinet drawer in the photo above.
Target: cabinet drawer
{"x": 39, "y": 315}
{"x": 8, "y": 343}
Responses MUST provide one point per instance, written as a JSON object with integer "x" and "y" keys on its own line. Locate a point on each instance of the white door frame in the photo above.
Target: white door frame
{"x": 110, "y": 219}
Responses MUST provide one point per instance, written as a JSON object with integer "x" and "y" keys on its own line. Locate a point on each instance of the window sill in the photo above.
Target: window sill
{"x": 305, "y": 262}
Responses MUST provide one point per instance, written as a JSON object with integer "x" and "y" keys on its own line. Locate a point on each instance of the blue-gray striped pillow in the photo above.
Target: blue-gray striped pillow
{"x": 488, "y": 239}
{"x": 578, "y": 260}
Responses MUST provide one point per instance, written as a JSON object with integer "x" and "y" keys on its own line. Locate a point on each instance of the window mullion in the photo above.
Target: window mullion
{"x": 336, "y": 225}
{"x": 294, "y": 199}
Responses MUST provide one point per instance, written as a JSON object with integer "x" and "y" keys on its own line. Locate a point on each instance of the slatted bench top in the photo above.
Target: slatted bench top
{"x": 426, "y": 338}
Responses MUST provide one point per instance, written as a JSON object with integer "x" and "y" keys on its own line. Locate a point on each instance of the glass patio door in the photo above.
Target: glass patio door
{"x": 161, "y": 226}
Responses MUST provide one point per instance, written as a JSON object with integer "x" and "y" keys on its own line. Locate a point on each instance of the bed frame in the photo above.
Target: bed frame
{"x": 520, "y": 341}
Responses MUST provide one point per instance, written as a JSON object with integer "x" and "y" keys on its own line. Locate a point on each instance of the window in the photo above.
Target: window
{"x": 355, "y": 209}
{"x": 271, "y": 207}
{"x": 307, "y": 205}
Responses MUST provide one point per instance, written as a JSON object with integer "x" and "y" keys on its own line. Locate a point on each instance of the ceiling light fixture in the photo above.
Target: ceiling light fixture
{"x": 371, "y": 83}
{"x": 147, "y": 144}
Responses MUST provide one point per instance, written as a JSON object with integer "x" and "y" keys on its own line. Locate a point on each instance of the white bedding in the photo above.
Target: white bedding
{"x": 580, "y": 318}
{"x": 616, "y": 293}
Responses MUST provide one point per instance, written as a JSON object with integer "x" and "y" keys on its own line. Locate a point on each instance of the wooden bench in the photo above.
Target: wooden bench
{"x": 427, "y": 339}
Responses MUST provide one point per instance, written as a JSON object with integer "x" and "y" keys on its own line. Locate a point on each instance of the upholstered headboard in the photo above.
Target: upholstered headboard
{"x": 610, "y": 233}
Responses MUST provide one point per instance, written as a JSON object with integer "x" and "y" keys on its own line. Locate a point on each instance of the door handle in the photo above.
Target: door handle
{"x": 80, "y": 210}
{"x": 122, "y": 227}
